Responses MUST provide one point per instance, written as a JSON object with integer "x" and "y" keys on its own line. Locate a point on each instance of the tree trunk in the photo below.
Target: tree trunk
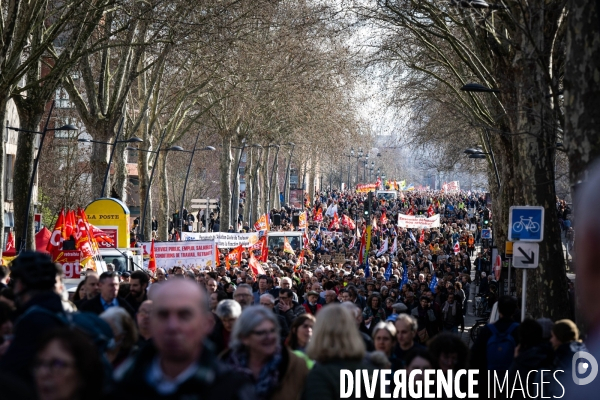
{"x": 120, "y": 176}
{"x": 264, "y": 181}
{"x": 235, "y": 202}
{"x": 255, "y": 189}
{"x": 30, "y": 121}
{"x": 275, "y": 189}
{"x": 225, "y": 182}
{"x": 534, "y": 153}
{"x": 250, "y": 161}
{"x": 144, "y": 178}
{"x": 163, "y": 201}
{"x": 99, "y": 159}
{"x": 582, "y": 88}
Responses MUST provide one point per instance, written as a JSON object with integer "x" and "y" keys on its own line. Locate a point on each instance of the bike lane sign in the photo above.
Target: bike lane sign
{"x": 526, "y": 224}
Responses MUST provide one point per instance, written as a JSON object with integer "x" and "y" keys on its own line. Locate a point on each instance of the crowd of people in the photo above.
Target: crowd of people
{"x": 230, "y": 333}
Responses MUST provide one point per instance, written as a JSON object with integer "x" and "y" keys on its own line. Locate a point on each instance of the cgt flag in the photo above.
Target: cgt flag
{"x": 287, "y": 248}
{"x": 262, "y": 224}
{"x": 54, "y": 245}
{"x": 253, "y": 263}
{"x": 10, "y": 242}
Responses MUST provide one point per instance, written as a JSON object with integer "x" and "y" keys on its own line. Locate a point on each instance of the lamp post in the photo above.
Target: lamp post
{"x": 250, "y": 215}
{"x": 187, "y": 175}
{"x": 36, "y": 161}
{"x": 172, "y": 148}
{"x": 365, "y": 167}
{"x": 358, "y": 157}
{"x": 235, "y": 198}
{"x": 286, "y": 185}
{"x": 478, "y": 153}
{"x": 112, "y": 152}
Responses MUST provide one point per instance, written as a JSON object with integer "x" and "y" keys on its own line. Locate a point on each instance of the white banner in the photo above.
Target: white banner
{"x": 223, "y": 239}
{"x": 418, "y": 221}
{"x": 191, "y": 254}
{"x": 453, "y": 186}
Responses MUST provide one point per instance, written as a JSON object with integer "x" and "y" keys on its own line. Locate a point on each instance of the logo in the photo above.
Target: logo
{"x": 584, "y": 368}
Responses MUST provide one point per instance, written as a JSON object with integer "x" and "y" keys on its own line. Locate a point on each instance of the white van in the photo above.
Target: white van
{"x": 386, "y": 195}
{"x": 276, "y": 239}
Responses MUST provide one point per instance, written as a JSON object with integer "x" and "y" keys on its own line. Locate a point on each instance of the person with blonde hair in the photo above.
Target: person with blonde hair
{"x": 336, "y": 344}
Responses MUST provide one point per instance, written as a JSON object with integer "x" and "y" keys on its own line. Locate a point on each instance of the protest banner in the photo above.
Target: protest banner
{"x": 187, "y": 254}
{"x": 366, "y": 187}
{"x": 418, "y": 221}
{"x": 225, "y": 240}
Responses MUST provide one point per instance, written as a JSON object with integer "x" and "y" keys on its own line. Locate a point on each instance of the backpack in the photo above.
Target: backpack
{"x": 501, "y": 348}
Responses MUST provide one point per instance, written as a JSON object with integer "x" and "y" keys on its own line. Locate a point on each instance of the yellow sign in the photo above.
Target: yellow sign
{"x": 509, "y": 248}
{"x": 368, "y": 240}
{"x": 112, "y": 216}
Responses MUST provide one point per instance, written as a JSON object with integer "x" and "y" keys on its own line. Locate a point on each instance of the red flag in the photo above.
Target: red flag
{"x": 70, "y": 225}
{"x": 319, "y": 215}
{"x": 82, "y": 238}
{"x": 430, "y": 211}
{"x": 253, "y": 263}
{"x": 152, "y": 261}
{"x": 264, "y": 251}
{"x": 10, "y": 242}
{"x": 54, "y": 245}
{"x": 299, "y": 261}
{"x": 287, "y": 247}
{"x": 235, "y": 254}
{"x": 383, "y": 218}
{"x": 335, "y": 222}
{"x": 347, "y": 222}
{"x": 410, "y": 211}
{"x": 98, "y": 234}
{"x": 217, "y": 256}
{"x": 456, "y": 248}
{"x": 422, "y": 237}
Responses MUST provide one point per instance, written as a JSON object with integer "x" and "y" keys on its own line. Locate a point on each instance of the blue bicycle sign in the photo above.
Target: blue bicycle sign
{"x": 526, "y": 224}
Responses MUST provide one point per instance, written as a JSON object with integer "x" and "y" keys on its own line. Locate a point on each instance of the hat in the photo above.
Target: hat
{"x": 312, "y": 293}
{"x": 565, "y": 331}
{"x": 126, "y": 274}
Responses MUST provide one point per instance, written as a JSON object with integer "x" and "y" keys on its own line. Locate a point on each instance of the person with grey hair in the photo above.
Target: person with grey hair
{"x": 255, "y": 352}
{"x": 228, "y": 311}
{"x": 267, "y": 300}
{"x": 243, "y": 295}
{"x": 125, "y": 333}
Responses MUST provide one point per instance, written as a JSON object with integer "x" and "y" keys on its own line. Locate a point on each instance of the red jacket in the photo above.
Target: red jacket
{"x": 307, "y": 308}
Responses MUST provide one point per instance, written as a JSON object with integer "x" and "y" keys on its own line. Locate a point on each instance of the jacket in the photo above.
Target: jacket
{"x": 292, "y": 375}
{"x": 94, "y": 305}
{"x": 290, "y": 314}
{"x": 213, "y": 380}
{"x": 323, "y": 381}
{"x": 27, "y": 332}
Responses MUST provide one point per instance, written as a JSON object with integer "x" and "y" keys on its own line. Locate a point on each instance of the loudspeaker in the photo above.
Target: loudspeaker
{"x": 296, "y": 220}
{"x": 277, "y": 219}
{"x": 69, "y": 245}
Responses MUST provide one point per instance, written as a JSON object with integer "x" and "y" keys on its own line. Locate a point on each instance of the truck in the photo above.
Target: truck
{"x": 131, "y": 258}
{"x": 386, "y": 195}
{"x": 276, "y": 239}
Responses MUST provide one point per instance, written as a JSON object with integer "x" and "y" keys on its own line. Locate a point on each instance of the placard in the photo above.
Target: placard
{"x": 418, "y": 221}
{"x": 225, "y": 240}
{"x": 187, "y": 254}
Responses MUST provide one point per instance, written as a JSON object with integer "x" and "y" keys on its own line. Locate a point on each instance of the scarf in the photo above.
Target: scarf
{"x": 447, "y": 306}
{"x": 268, "y": 379}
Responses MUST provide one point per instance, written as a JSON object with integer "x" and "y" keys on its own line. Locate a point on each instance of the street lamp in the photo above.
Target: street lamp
{"x": 250, "y": 216}
{"x": 112, "y": 152}
{"x": 358, "y": 157}
{"x": 36, "y": 161}
{"x": 235, "y": 195}
{"x": 172, "y": 148}
{"x": 187, "y": 175}
{"x": 478, "y": 153}
{"x": 478, "y": 88}
{"x": 272, "y": 173}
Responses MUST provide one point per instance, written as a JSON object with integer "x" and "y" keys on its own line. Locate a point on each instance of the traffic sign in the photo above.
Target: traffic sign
{"x": 526, "y": 255}
{"x": 526, "y": 224}
{"x": 486, "y": 233}
{"x": 203, "y": 201}
{"x": 508, "y": 249}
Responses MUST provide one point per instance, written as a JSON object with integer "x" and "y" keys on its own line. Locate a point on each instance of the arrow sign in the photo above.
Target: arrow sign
{"x": 527, "y": 255}
{"x": 528, "y": 259}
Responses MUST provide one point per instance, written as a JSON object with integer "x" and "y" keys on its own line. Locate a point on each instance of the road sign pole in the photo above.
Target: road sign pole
{"x": 509, "y": 265}
{"x": 523, "y": 295}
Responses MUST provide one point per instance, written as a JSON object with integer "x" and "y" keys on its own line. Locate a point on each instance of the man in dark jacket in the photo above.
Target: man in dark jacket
{"x": 34, "y": 275}
{"x": 179, "y": 363}
{"x": 138, "y": 283}
{"x": 109, "y": 288}
{"x": 287, "y": 307}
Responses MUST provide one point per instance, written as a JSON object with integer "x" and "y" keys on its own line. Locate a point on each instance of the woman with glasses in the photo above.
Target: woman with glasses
{"x": 255, "y": 351}
{"x": 67, "y": 366}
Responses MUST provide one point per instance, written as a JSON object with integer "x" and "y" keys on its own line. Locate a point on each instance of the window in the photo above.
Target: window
{"x": 62, "y": 99}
